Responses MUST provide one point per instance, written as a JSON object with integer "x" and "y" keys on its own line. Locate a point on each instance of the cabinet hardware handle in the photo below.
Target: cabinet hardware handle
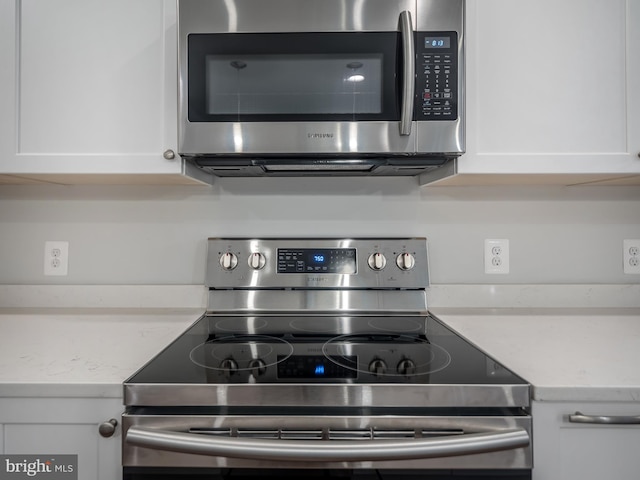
{"x": 108, "y": 428}
{"x": 169, "y": 154}
{"x": 579, "y": 417}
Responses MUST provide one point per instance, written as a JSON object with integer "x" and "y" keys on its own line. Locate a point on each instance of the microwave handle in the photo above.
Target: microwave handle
{"x": 409, "y": 72}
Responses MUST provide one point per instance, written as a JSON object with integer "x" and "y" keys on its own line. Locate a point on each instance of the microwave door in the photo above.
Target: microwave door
{"x": 327, "y": 93}
{"x": 326, "y": 82}
{"x": 348, "y": 80}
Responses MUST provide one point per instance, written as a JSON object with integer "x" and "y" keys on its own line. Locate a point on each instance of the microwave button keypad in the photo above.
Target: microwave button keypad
{"x": 437, "y": 79}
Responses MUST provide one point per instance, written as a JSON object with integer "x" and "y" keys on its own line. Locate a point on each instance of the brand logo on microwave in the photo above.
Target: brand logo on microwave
{"x": 319, "y": 135}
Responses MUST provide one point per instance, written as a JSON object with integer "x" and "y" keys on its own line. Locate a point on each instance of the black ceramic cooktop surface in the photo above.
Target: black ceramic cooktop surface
{"x": 322, "y": 349}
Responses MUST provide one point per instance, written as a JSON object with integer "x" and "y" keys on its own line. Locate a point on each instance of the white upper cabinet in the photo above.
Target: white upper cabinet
{"x": 553, "y": 93}
{"x": 93, "y": 94}
{"x": 88, "y": 93}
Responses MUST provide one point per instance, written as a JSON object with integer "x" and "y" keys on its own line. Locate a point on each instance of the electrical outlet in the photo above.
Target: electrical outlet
{"x": 496, "y": 255}
{"x": 56, "y": 258}
{"x": 631, "y": 256}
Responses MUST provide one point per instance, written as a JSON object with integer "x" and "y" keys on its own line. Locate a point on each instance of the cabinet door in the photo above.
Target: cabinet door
{"x": 569, "y": 451}
{"x": 594, "y": 453}
{"x": 91, "y": 74}
{"x": 7, "y": 82}
{"x": 42, "y": 426}
{"x": 633, "y": 81}
{"x": 552, "y": 91}
{"x": 29, "y": 439}
{"x": 94, "y": 88}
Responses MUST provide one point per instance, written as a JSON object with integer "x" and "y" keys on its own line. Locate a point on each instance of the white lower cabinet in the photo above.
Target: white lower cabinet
{"x": 563, "y": 450}
{"x": 57, "y": 426}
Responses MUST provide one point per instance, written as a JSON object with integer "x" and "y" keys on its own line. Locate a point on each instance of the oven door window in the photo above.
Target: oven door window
{"x": 293, "y": 77}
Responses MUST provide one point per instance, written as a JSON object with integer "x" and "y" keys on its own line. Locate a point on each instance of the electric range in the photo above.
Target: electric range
{"x": 320, "y": 354}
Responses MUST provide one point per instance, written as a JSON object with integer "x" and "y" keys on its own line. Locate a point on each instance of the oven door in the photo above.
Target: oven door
{"x": 431, "y": 445}
{"x": 289, "y": 79}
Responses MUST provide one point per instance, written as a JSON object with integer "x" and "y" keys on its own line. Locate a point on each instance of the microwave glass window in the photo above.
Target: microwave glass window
{"x": 294, "y": 84}
{"x": 293, "y": 77}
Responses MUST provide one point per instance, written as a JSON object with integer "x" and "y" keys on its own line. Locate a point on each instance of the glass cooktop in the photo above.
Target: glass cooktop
{"x": 322, "y": 350}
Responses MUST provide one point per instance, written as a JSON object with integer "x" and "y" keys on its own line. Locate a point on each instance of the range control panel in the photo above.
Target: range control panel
{"x": 436, "y": 76}
{"x": 317, "y": 260}
{"x": 245, "y": 263}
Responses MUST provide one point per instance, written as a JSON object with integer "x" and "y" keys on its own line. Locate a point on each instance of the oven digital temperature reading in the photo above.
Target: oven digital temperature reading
{"x": 317, "y": 260}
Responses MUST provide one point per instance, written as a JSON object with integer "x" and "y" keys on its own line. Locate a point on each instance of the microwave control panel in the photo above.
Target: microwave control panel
{"x": 436, "y": 76}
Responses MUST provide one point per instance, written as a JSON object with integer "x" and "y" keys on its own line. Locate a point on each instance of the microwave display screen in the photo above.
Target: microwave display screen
{"x": 437, "y": 42}
{"x": 281, "y": 84}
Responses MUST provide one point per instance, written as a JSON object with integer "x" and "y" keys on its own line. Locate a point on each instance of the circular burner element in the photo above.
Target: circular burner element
{"x": 249, "y": 353}
{"x": 387, "y": 355}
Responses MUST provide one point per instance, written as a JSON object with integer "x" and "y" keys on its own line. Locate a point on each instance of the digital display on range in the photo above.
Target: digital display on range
{"x": 437, "y": 42}
{"x": 317, "y": 260}
{"x": 314, "y": 366}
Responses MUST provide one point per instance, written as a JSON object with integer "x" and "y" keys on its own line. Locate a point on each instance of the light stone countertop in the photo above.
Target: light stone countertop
{"x": 581, "y": 355}
{"x": 81, "y": 352}
{"x": 84, "y": 341}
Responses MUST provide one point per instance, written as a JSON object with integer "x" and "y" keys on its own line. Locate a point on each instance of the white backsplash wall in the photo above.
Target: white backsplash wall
{"x": 157, "y": 235}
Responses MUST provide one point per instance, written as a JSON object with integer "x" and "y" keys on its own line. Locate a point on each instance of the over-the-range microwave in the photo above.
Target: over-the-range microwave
{"x": 320, "y": 87}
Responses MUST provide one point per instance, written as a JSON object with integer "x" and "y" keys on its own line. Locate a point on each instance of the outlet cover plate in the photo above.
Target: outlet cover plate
{"x": 496, "y": 256}
{"x": 631, "y": 256}
{"x": 56, "y": 258}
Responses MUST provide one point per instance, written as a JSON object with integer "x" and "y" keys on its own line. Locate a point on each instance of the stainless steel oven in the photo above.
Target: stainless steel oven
{"x": 350, "y": 87}
{"x": 318, "y": 357}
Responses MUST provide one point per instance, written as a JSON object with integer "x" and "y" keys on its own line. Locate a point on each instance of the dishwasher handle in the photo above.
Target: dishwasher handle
{"x": 327, "y": 451}
{"x": 579, "y": 417}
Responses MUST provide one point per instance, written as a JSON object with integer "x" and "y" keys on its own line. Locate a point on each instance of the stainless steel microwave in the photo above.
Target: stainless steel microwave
{"x": 320, "y": 87}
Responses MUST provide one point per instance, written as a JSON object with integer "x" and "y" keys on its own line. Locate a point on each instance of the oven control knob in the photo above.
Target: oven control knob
{"x": 406, "y": 367}
{"x": 228, "y": 261}
{"x": 256, "y": 261}
{"x": 377, "y": 261}
{"x": 257, "y": 367}
{"x": 229, "y": 366}
{"x": 405, "y": 261}
{"x": 378, "y": 367}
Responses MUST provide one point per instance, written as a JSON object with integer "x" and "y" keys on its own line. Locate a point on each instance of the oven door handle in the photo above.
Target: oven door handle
{"x": 327, "y": 451}
{"x": 409, "y": 72}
